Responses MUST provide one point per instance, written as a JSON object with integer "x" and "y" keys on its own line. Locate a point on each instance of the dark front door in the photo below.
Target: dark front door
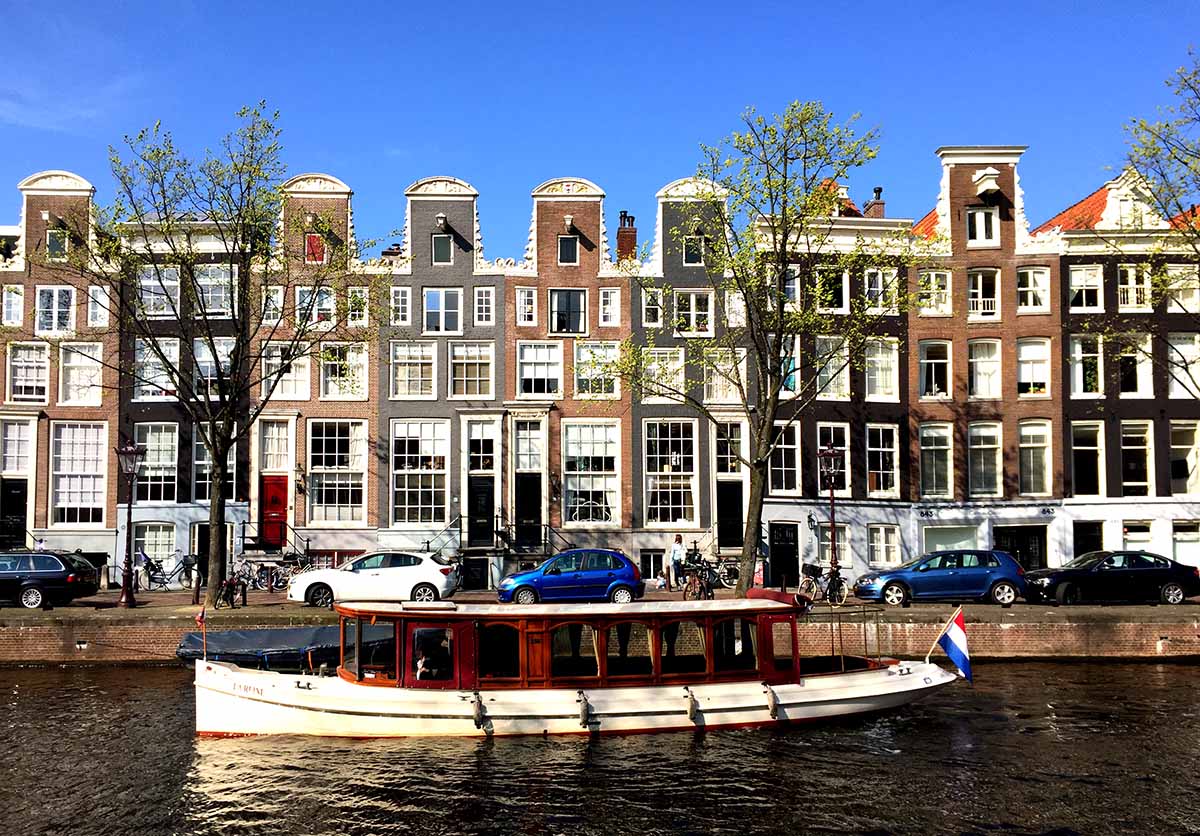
{"x": 527, "y": 509}
{"x": 730, "y": 525}
{"x": 480, "y": 505}
{"x": 1089, "y": 537}
{"x": 272, "y": 504}
{"x": 1027, "y": 543}
{"x": 14, "y": 496}
{"x": 785, "y": 554}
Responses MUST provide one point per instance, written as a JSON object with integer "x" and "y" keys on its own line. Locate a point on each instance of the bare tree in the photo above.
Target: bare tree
{"x": 767, "y": 208}
{"x": 217, "y": 288}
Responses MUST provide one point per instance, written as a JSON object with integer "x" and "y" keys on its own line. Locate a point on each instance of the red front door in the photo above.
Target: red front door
{"x": 273, "y": 506}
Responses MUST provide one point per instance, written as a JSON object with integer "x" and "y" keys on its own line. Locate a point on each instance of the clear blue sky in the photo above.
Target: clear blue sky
{"x": 509, "y": 95}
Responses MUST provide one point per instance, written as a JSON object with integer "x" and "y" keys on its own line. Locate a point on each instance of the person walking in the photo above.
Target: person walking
{"x": 676, "y": 556}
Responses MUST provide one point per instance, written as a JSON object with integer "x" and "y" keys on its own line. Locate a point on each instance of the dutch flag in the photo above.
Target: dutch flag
{"x": 954, "y": 642}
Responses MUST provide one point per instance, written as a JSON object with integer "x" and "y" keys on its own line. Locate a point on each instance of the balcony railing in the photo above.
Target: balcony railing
{"x": 1133, "y": 296}
{"x": 982, "y": 306}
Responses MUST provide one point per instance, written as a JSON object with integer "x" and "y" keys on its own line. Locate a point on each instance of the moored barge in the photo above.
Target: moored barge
{"x": 446, "y": 669}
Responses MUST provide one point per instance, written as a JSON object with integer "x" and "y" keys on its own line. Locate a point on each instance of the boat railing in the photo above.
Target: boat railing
{"x": 842, "y": 631}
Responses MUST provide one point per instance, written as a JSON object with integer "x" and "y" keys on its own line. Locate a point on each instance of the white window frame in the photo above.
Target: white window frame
{"x": 1047, "y": 457}
{"x": 1183, "y": 289}
{"x": 484, "y": 306}
{"x": 488, "y": 349}
{"x": 894, "y": 429}
{"x": 996, "y": 390}
{"x": 1085, "y": 278}
{"x": 887, "y": 279}
{"x": 98, "y": 306}
{"x": 162, "y": 281}
{"x": 1023, "y": 363}
{"x": 168, "y": 346}
{"x": 1101, "y": 458}
{"x": 426, "y": 348}
{"x": 1076, "y": 357}
{"x": 735, "y": 308}
{"x": 1134, "y": 294}
{"x": 977, "y": 214}
{"x": 1144, "y": 366}
{"x": 1148, "y": 427}
{"x": 358, "y": 304}
{"x": 888, "y": 542}
{"x": 694, "y": 315}
{"x": 96, "y": 388}
{"x": 66, "y": 244}
{"x": 99, "y": 471}
{"x": 216, "y": 352}
{"x": 441, "y": 312}
{"x": 649, "y": 476}
{"x": 977, "y": 303}
{"x": 652, "y": 300}
{"x": 558, "y": 251}
{"x": 314, "y": 473}
{"x": 14, "y": 313}
{"x": 552, "y": 295}
{"x": 795, "y": 444}
{"x": 1191, "y": 458}
{"x": 718, "y": 388}
{"x": 832, "y": 385}
{"x": 401, "y": 305}
{"x": 275, "y": 447}
{"x": 945, "y": 431}
{"x": 923, "y": 361}
{"x": 1183, "y": 365}
{"x": 44, "y": 349}
{"x": 316, "y": 314}
{"x": 1034, "y": 281}
{"x": 847, "y": 472}
{"x": 17, "y": 450}
{"x": 56, "y": 290}
{"x": 556, "y": 349}
{"x": 825, "y": 544}
{"x": 975, "y": 430}
{"x": 526, "y": 301}
{"x": 610, "y": 307}
{"x": 298, "y": 377}
{"x": 661, "y": 361}
{"x": 934, "y": 293}
{"x": 205, "y": 279}
{"x": 272, "y": 304}
{"x": 891, "y": 346}
{"x": 570, "y": 426}
{"x": 433, "y": 242}
{"x": 823, "y": 274}
{"x": 153, "y": 471}
{"x": 433, "y": 441}
{"x": 324, "y": 259}
{"x": 357, "y": 359}
{"x": 605, "y": 347}
{"x": 683, "y": 256}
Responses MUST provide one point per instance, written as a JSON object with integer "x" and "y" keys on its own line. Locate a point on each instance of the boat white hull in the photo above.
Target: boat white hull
{"x": 231, "y": 701}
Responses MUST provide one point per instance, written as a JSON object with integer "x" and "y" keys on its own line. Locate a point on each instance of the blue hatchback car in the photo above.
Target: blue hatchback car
{"x": 969, "y": 573}
{"x": 576, "y": 575}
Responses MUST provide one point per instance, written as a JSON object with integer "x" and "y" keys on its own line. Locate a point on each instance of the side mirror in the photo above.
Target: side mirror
{"x": 924, "y": 567}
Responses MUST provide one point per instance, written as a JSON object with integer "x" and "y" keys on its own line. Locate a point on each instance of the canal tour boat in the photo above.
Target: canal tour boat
{"x": 446, "y": 669}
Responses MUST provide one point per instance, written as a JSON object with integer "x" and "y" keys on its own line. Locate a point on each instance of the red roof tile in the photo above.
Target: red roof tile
{"x": 1188, "y": 219}
{"x": 926, "y": 227}
{"x": 1083, "y": 215}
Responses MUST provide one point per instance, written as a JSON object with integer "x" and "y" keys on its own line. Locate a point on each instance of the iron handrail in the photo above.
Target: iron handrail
{"x": 292, "y": 536}
{"x": 455, "y": 522}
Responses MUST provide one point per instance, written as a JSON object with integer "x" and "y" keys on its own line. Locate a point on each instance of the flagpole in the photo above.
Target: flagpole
{"x": 942, "y": 632}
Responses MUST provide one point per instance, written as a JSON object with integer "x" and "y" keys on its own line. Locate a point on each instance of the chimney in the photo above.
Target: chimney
{"x": 874, "y": 206}
{"x": 626, "y": 237}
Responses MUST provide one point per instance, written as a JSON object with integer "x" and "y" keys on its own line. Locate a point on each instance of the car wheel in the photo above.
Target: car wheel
{"x": 1067, "y": 593}
{"x": 320, "y": 595}
{"x": 894, "y": 594}
{"x": 424, "y": 593}
{"x": 1004, "y": 593}
{"x": 621, "y": 595}
{"x": 32, "y": 598}
{"x": 1172, "y": 593}
{"x": 525, "y": 595}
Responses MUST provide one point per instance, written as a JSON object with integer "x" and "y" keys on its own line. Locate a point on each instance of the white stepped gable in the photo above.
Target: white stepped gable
{"x": 1129, "y": 204}
{"x": 685, "y": 189}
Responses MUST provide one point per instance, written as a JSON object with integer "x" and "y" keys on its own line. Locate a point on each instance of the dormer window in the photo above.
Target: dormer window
{"x": 568, "y": 249}
{"x": 57, "y": 243}
{"x": 443, "y": 249}
{"x": 693, "y": 251}
{"x": 315, "y": 251}
{"x": 983, "y": 226}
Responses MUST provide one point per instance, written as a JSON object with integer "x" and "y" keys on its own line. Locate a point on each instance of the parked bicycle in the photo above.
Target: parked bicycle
{"x": 727, "y": 573}
{"x": 290, "y": 566}
{"x": 157, "y": 578}
{"x": 700, "y": 577}
{"x": 819, "y": 585}
{"x": 229, "y": 591}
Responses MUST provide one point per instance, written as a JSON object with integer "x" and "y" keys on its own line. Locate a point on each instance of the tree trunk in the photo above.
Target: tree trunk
{"x": 216, "y": 527}
{"x": 750, "y": 538}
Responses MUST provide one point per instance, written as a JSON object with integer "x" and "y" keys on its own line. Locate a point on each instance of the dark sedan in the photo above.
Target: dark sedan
{"x": 1123, "y": 576}
{"x": 38, "y": 579}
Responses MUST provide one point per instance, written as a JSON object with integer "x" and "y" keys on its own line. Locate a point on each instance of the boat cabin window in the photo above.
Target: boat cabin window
{"x": 682, "y": 649}
{"x": 432, "y": 653}
{"x": 378, "y": 650}
{"x": 573, "y": 651}
{"x": 782, "y": 644}
{"x": 350, "y": 644}
{"x": 499, "y": 652}
{"x": 734, "y": 645}
{"x": 629, "y": 650}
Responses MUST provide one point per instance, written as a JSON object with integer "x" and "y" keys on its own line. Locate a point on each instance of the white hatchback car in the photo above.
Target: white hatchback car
{"x": 380, "y": 576}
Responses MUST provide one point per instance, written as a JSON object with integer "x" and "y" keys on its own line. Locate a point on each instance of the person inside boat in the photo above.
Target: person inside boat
{"x": 433, "y": 655}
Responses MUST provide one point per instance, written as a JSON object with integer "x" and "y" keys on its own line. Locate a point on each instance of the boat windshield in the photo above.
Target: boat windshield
{"x": 1086, "y": 559}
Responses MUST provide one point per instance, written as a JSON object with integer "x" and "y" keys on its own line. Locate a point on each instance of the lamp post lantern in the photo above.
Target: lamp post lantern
{"x": 830, "y": 459}
{"x": 129, "y": 456}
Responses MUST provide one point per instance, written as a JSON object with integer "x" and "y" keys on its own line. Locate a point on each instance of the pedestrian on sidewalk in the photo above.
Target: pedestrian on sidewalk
{"x": 676, "y": 556}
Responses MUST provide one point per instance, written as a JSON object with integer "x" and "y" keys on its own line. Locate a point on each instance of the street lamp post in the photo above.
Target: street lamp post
{"x": 129, "y": 456}
{"x": 831, "y": 460}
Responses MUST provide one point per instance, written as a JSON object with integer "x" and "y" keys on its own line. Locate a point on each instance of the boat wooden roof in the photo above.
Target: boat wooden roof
{"x": 450, "y": 609}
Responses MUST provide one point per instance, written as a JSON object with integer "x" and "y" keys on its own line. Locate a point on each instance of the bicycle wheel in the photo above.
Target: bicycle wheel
{"x": 691, "y": 591}
{"x": 809, "y": 588}
{"x": 837, "y": 592}
{"x": 280, "y": 577}
{"x": 728, "y": 575}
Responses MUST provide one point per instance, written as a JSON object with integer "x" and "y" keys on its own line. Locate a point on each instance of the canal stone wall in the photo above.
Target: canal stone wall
{"x": 1020, "y": 633}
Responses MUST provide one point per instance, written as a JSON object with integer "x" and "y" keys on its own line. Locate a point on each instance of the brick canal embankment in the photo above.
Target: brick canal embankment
{"x": 94, "y": 631}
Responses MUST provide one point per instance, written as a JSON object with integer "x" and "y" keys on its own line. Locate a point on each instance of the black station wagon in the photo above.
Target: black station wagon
{"x": 39, "y": 579}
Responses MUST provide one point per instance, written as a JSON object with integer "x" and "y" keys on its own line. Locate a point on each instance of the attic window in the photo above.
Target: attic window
{"x": 983, "y": 226}
{"x": 568, "y": 249}
{"x": 314, "y": 248}
{"x": 443, "y": 249}
{"x": 693, "y": 250}
{"x": 57, "y": 243}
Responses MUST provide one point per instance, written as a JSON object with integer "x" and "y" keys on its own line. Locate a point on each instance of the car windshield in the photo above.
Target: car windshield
{"x": 912, "y": 562}
{"x": 1086, "y": 559}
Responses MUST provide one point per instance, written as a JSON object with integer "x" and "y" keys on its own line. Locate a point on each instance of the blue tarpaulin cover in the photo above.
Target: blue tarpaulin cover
{"x": 273, "y": 649}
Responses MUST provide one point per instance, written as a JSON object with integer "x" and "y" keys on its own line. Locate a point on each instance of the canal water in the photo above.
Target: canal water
{"x": 1031, "y": 749}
